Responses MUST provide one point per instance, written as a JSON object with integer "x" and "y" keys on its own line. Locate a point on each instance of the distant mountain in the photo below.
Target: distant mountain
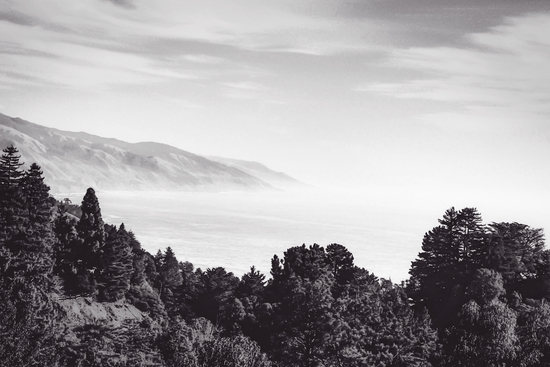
{"x": 261, "y": 171}
{"x": 74, "y": 161}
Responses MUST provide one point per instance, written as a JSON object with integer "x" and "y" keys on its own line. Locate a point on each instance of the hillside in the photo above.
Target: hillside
{"x": 74, "y": 161}
{"x": 261, "y": 171}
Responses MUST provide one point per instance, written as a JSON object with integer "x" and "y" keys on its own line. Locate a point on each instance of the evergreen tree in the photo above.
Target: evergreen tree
{"x": 450, "y": 254}
{"x": 342, "y": 266}
{"x": 116, "y": 266}
{"x": 11, "y": 205}
{"x": 304, "y": 321}
{"x": 301, "y": 302}
{"x": 216, "y": 296}
{"x": 533, "y": 331}
{"x": 66, "y": 247}
{"x": 518, "y": 253}
{"x": 485, "y": 334}
{"x": 252, "y": 284}
{"x": 37, "y": 237}
{"x": 169, "y": 278}
{"x": 28, "y": 333}
{"x": 91, "y": 232}
{"x": 378, "y": 328}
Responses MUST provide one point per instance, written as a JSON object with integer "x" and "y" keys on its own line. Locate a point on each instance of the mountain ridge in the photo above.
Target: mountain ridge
{"x": 74, "y": 161}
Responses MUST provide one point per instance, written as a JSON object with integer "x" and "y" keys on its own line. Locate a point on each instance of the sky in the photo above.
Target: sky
{"x": 443, "y": 98}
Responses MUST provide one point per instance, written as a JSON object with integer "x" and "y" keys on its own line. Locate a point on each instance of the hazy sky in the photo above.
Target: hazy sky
{"x": 438, "y": 96}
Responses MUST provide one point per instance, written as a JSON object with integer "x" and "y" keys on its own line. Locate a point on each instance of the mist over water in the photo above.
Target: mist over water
{"x": 236, "y": 230}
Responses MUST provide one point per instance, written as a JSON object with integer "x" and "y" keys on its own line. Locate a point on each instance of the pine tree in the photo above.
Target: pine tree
{"x": 28, "y": 324}
{"x": 91, "y": 233}
{"x": 451, "y": 252}
{"x": 169, "y": 278}
{"x": 26, "y": 236}
{"x": 485, "y": 334}
{"x": 378, "y": 328}
{"x": 66, "y": 247}
{"x": 305, "y": 321}
{"x": 217, "y": 292}
{"x": 116, "y": 266}
{"x": 251, "y": 284}
{"x": 11, "y": 202}
{"x": 300, "y": 297}
{"x": 37, "y": 237}
{"x": 342, "y": 266}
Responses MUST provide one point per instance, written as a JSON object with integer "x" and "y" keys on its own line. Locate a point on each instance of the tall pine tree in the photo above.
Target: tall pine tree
{"x": 91, "y": 232}
{"x": 11, "y": 198}
{"x": 116, "y": 266}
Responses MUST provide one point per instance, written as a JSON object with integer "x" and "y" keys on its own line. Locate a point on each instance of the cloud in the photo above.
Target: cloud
{"x": 92, "y": 43}
{"x": 123, "y": 3}
{"x": 246, "y": 85}
{"x": 203, "y": 59}
{"x": 503, "y": 75}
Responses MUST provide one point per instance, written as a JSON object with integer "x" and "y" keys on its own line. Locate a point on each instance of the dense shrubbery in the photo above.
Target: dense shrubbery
{"x": 476, "y": 296}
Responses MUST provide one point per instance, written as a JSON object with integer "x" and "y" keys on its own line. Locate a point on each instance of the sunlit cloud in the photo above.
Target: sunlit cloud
{"x": 503, "y": 76}
{"x": 246, "y": 85}
{"x": 121, "y": 38}
{"x": 124, "y": 3}
{"x": 203, "y": 59}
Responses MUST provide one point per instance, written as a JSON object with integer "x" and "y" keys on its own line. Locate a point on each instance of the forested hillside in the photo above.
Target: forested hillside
{"x": 77, "y": 291}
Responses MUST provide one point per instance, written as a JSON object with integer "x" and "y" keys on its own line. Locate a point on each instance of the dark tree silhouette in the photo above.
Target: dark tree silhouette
{"x": 90, "y": 230}
{"x": 116, "y": 265}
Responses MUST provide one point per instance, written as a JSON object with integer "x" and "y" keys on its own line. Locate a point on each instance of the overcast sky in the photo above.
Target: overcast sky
{"x": 430, "y": 95}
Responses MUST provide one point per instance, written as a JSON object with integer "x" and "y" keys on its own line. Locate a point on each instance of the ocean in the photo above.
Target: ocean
{"x": 237, "y": 230}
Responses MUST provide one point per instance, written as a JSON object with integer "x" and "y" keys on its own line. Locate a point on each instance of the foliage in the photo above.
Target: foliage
{"x": 116, "y": 265}
{"x": 28, "y": 335}
{"x": 485, "y": 287}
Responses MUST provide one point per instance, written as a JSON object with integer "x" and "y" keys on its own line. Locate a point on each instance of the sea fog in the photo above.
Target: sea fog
{"x": 236, "y": 230}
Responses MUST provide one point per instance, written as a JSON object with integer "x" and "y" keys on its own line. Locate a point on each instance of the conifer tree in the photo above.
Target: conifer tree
{"x": 485, "y": 334}
{"x": 341, "y": 265}
{"x": 187, "y": 293}
{"x": 169, "y": 278}
{"x": 11, "y": 199}
{"x": 116, "y": 266}
{"x": 378, "y": 328}
{"x": 216, "y": 296}
{"x": 91, "y": 232}
{"x": 251, "y": 284}
{"x": 37, "y": 238}
{"x": 451, "y": 252}
{"x": 26, "y": 236}
{"x": 66, "y": 247}
{"x": 28, "y": 332}
{"x": 300, "y": 296}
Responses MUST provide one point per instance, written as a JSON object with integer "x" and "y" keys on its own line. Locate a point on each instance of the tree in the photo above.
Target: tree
{"x": 304, "y": 321}
{"x": 91, "y": 232}
{"x": 533, "y": 331}
{"x": 28, "y": 334}
{"x": 65, "y": 251}
{"x": 169, "y": 278}
{"x": 116, "y": 266}
{"x": 215, "y": 298}
{"x": 450, "y": 254}
{"x": 237, "y": 351}
{"x": 485, "y": 334}
{"x": 342, "y": 266}
{"x": 11, "y": 204}
{"x": 36, "y": 239}
{"x": 378, "y": 328}
{"x": 517, "y": 252}
{"x": 300, "y": 298}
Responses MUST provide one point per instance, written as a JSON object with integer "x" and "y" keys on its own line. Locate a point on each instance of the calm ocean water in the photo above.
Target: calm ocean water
{"x": 238, "y": 230}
